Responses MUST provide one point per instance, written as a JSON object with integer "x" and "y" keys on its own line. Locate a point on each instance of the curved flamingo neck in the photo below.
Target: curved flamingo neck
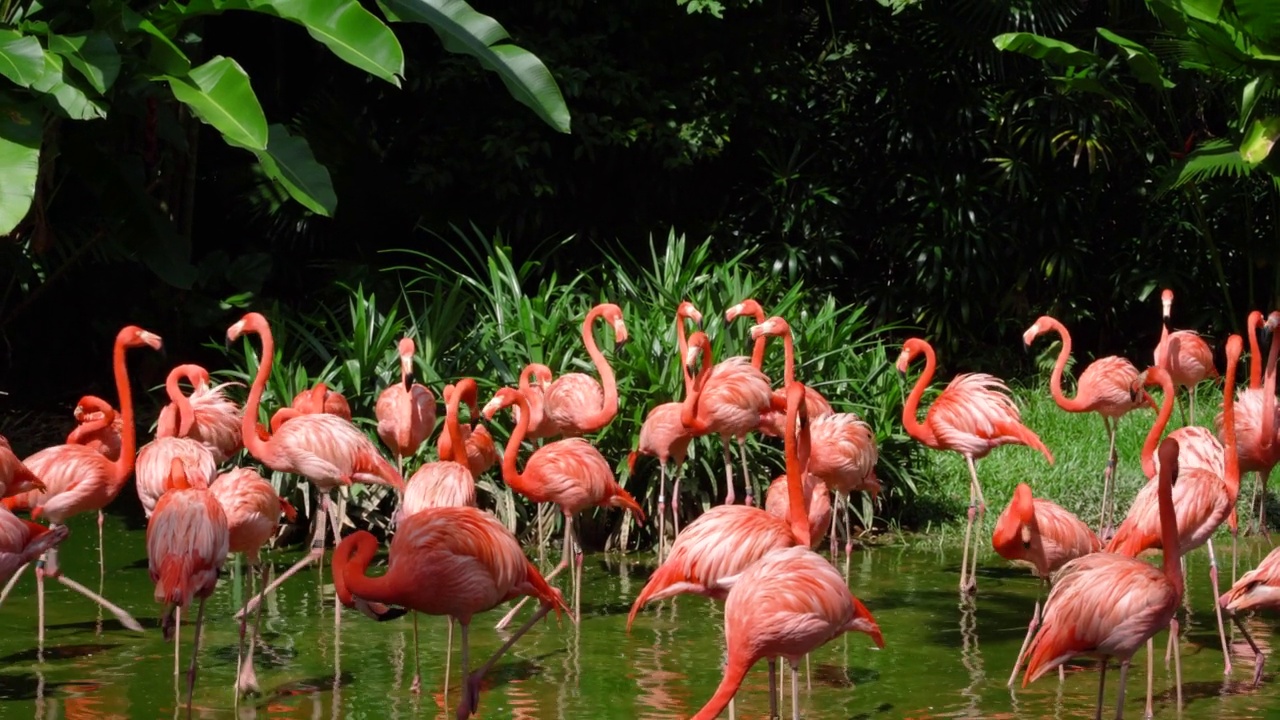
{"x": 1255, "y": 352}
{"x": 185, "y": 416}
{"x": 609, "y": 409}
{"x": 682, "y": 342}
{"x": 1269, "y": 396}
{"x": 451, "y": 426}
{"x": 1075, "y": 404}
{"x": 258, "y": 445}
{"x": 1231, "y": 470}
{"x": 1172, "y": 561}
{"x": 1157, "y": 430}
{"x": 350, "y": 562}
{"x": 123, "y": 465}
{"x": 910, "y": 422}
{"x": 510, "y": 473}
{"x": 789, "y": 357}
{"x": 757, "y": 350}
{"x": 693, "y": 393}
{"x": 799, "y": 516}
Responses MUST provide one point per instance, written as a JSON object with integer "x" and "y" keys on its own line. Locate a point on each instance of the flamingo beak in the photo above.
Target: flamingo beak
{"x": 151, "y": 339}
{"x": 234, "y": 331}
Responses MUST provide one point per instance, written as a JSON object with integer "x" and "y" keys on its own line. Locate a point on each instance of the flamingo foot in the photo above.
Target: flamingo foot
{"x": 470, "y": 697}
{"x": 247, "y": 680}
{"x": 416, "y": 686}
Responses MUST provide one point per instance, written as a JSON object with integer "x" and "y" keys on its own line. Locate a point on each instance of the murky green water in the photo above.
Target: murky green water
{"x": 940, "y": 660}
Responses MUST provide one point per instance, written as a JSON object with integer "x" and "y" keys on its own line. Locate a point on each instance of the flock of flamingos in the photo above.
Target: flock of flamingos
{"x": 780, "y": 598}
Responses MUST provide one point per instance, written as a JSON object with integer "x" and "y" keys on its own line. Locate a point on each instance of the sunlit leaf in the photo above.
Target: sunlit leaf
{"x": 1047, "y": 49}
{"x": 353, "y": 34}
{"x": 93, "y": 54}
{"x": 1259, "y": 140}
{"x": 288, "y": 160}
{"x": 21, "y": 57}
{"x": 219, "y": 93}
{"x": 20, "y": 133}
{"x": 1142, "y": 63}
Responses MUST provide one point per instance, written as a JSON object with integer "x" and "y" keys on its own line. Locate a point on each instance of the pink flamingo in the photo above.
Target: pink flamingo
{"x": 478, "y": 447}
{"x": 1103, "y": 388}
{"x": 569, "y": 473}
{"x": 1202, "y": 499}
{"x": 454, "y": 561}
{"x": 1256, "y": 420}
{"x": 665, "y": 437}
{"x": 15, "y": 478}
{"x": 1108, "y": 605}
{"x": 575, "y": 403}
{"x": 80, "y": 479}
{"x": 844, "y": 447}
{"x": 406, "y": 411}
{"x": 316, "y": 401}
{"x": 155, "y": 460}
{"x": 728, "y": 399}
{"x": 1183, "y": 354}
{"x": 772, "y": 421}
{"x": 777, "y": 502}
{"x": 187, "y": 543}
{"x": 1045, "y": 536}
{"x": 98, "y": 426}
{"x": 253, "y": 510}
{"x": 22, "y": 541}
{"x": 789, "y": 603}
{"x": 322, "y": 447}
{"x": 1259, "y": 589}
{"x": 207, "y": 416}
{"x": 972, "y": 416}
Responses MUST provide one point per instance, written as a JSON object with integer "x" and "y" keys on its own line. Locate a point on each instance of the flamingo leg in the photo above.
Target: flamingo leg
{"x": 316, "y": 554}
{"x": 1151, "y": 674}
{"x": 795, "y": 691}
{"x": 565, "y": 556}
{"x": 1177, "y": 661}
{"x": 102, "y": 565}
{"x": 969, "y": 583}
{"x": 835, "y": 530}
{"x": 773, "y": 687}
{"x": 542, "y": 534}
{"x": 728, "y": 471}
{"x": 448, "y": 656}
{"x": 416, "y": 686}
{"x": 1108, "y": 475}
{"x": 1124, "y": 679}
{"x": 1263, "y": 476}
{"x": 1191, "y": 392}
{"x": 1222, "y": 634}
{"x": 125, "y": 618}
{"x": 40, "y": 603}
{"x": 177, "y": 635}
{"x": 675, "y": 501}
{"x": 577, "y": 569}
{"x": 662, "y": 509}
{"x": 247, "y": 678}
{"x": 1031, "y": 629}
{"x": 1259, "y": 660}
{"x": 471, "y": 688}
{"x": 848, "y": 528}
{"x": 8, "y": 587}
{"x": 748, "y": 488}
{"x": 195, "y": 656}
{"x": 1102, "y": 685}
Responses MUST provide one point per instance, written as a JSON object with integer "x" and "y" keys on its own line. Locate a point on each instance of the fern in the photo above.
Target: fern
{"x": 1213, "y": 159}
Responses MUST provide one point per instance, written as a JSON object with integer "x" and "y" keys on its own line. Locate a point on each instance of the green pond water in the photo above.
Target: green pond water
{"x": 940, "y": 659}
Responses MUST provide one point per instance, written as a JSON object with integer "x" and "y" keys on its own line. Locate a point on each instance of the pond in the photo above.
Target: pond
{"x": 941, "y": 659}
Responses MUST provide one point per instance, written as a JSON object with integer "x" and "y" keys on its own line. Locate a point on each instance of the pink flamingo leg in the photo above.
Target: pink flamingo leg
{"x": 1104, "y": 521}
{"x": 195, "y": 655}
{"x": 1124, "y": 679}
{"x": 1177, "y": 661}
{"x": 565, "y": 557}
{"x": 1151, "y": 675}
{"x": 40, "y": 604}
{"x": 728, "y": 472}
{"x": 969, "y": 584}
{"x": 8, "y": 587}
{"x": 662, "y": 510}
{"x": 102, "y": 571}
{"x": 773, "y": 687}
{"x": 1102, "y": 686}
{"x": 675, "y": 502}
{"x": 751, "y": 491}
{"x": 247, "y": 678}
{"x": 317, "y": 552}
{"x": 1222, "y": 635}
{"x": 416, "y": 686}
{"x": 471, "y": 688}
{"x": 1031, "y": 629}
{"x": 1259, "y": 660}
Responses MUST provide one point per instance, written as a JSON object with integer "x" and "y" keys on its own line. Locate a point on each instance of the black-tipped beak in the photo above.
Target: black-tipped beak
{"x": 1164, "y": 318}
{"x": 1265, "y": 337}
{"x": 391, "y": 613}
{"x": 617, "y": 346}
{"x": 408, "y": 381}
{"x": 902, "y": 373}
{"x": 698, "y": 323}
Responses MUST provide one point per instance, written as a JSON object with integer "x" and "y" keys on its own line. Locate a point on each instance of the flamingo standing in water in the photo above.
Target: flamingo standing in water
{"x": 321, "y": 447}
{"x": 771, "y": 422}
{"x": 98, "y": 426}
{"x": 1108, "y": 605}
{"x": 570, "y": 473}
{"x": 454, "y": 561}
{"x": 665, "y": 437}
{"x": 844, "y": 447}
{"x": 406, "y": 411}
{"x": 972, "y": 416}
{"x": 444, "y": 483}
{"x": 187, "y": 543}
{"x": 1203, "y": 499}
{"x": 1103, "y": 388}
{"x": 479, "y": 451}
{"x": 252, "y": 509}
{"x": 726, "y": 398}
{"x": 1258, "y": 589}
{"x": 155, "y": 459}
{"x": 80, "y": 479}
{"x": 207, "y": 416}
{"x": 1257, "y": 420}
{"x": 789, "y": 603}
{"x": 1042, "y": 534}
{"x": 1183, "y": 354}
{"x": 22, "y": 541}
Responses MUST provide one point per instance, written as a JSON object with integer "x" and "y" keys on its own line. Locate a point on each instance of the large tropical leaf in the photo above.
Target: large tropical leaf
{"x": 1261, "y": 19}
{"x": 463, "y": 30}
{"x": 288, "y": 160}
{"x": 1214, "y": 159}
{"x": 167, "y": 57}
{"x": 1142, "y": 63}
{"x": 1042, "y": 48}
{"x": 1259, "y": 139}
{"x": 93, "y": 54}
{"x": 20, "y": 131}
{"x": 21, "y": 57}
{"x": 64, "y": 93}
{"x": 219, "y": 93}
{"x": 345, "y": 27}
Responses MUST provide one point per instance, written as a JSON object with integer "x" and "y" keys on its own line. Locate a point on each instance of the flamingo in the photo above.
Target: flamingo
{"x": 1183, "y": 354}
{"x": 98, "y": 426}
{"x": 207, "y": 416}
{"x": 78, "y": 479}
{"x": 1256, "y": 419}
{"x": 187, "y": 544}
{"x": 575, "y": 404}
{"x": 1103, "y": 388}
{"x": 455, "y": 561}
{"x": 1108, "y": 605}
{"x": 789, "y": 603}
{"x": 665, "y": 437}
{"x": 252, "y": 509}
{"x": 569, "y": 473}
{"x": 445, "y": 483}
{"x": 478, "y": 447}
{"x": 844, "y": 453}
{"x": 772, "y": 421}
{"x": 316, "y": 401}
{"x": 155, "y": 460}
{"x": 406, "y": 411}
{"x": 322, "y": 447}
{"x": 1258, "y": 589}
{"x": 1203, "y": 499}
{"x": 22, "y": 541}
{"x": 15, "y": 478}
{"x": 728, "y": 399}
{"x": 972, "y": 416}
{"x": 777, "y": 502}
{"x": 1042, "y": 534}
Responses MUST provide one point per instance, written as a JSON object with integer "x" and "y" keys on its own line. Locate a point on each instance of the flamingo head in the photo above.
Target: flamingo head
{"x": 686, "y": 311}
{"x": 773, "y": 327}
{"x": 133, "y": 336}
{"x": 613, "y": 315}
{"x": 698, "y": 344}
{"x": 405, "y": 351}
{"x": 1166, "y": 304}
{"x": 1039, "y": 326}
{"x": 746, "y": 307}
{"x": 505, "y": 397}
{"x": 863, "y": 622}
{"x": 251, "y": 322}
{"x": 910, "y": 349}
